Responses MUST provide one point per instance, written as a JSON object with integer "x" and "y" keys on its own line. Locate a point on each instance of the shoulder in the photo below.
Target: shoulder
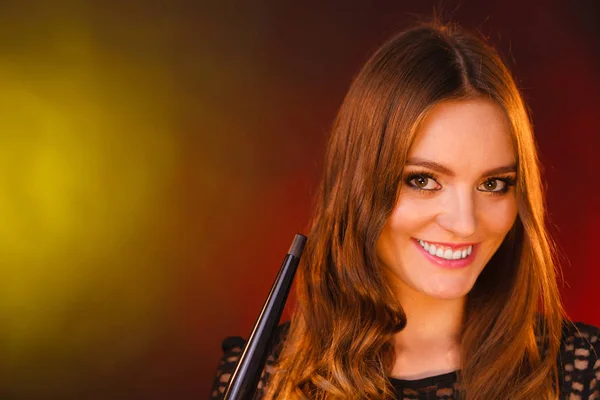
{"x": 581, "y": 340}
{"x": 578, "y": 361}
{"x": 232, "y": 350}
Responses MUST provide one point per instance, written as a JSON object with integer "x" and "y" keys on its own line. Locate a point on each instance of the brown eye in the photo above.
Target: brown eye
{"x": 495, "y": 185}
{"x": 491, "y": 185}
{"x": 421, "y": 182}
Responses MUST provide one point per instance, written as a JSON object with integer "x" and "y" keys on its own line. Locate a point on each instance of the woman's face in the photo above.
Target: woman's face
{"x": 457, "y": 201}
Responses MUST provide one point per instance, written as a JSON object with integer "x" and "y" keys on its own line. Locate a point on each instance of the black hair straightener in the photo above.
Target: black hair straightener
{"x": 244, "y": 380}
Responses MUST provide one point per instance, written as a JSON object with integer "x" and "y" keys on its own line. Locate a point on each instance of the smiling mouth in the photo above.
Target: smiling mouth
{"x": 446, "y": 252}
{"x": 448, "y": 255}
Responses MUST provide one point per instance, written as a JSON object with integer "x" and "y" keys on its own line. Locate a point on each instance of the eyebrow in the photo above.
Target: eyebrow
{"x": 421, "y": 162}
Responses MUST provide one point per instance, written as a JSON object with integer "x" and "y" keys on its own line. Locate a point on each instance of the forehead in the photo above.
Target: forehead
{"x": 465, "y": 135}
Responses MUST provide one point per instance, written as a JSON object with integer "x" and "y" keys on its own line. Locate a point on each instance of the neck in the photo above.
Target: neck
{"x": 433, "y": 325}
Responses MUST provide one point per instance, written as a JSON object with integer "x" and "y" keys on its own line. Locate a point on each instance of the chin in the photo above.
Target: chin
{"x": 447, "y": 296}
{"x": 450, "y": 293}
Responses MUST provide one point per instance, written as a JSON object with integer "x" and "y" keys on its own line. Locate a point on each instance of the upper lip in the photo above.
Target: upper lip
{"x": 451, "y": 245}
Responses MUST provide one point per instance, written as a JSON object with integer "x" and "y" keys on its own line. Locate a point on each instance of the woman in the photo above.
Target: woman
{"x": 428, "y": 271}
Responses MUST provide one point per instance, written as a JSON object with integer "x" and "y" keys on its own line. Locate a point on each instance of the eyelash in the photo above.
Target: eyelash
{"x": 509, "y": 182}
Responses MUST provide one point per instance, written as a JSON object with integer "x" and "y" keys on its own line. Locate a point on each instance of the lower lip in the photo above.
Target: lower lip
{"x": 449, "y": 264}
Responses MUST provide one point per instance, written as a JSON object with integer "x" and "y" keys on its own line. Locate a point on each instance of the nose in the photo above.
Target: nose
{"x": 459, "y": 214}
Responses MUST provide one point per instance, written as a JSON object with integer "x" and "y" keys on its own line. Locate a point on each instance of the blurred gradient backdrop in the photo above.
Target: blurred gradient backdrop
{"x": 157, "y": 157}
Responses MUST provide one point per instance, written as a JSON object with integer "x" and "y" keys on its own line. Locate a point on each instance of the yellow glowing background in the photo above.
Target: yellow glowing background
{"x": 87, "y": 161}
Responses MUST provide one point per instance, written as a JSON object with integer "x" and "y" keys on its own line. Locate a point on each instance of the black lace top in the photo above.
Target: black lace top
{"x": 579, "y": 368}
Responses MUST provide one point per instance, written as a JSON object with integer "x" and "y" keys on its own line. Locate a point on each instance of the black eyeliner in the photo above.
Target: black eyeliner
{"x": 421, "y": 174}
{"x": 509, "y": 181}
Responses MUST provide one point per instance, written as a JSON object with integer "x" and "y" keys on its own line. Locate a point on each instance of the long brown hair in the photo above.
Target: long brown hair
{"x": 339, "y": 345}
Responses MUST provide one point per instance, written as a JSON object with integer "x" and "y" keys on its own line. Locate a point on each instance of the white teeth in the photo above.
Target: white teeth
{"x": 448, "y": 254}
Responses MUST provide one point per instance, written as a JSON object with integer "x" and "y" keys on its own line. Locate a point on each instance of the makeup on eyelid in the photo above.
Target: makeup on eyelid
{"x": 509, "y": 181}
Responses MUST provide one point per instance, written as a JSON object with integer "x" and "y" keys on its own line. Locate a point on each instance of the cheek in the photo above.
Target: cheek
{"x": 407, "y": 217}
{"x": 499, "y": 217}
{"x": 410, "y": 214}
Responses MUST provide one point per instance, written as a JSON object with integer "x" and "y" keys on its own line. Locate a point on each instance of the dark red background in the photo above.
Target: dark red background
{"x": 308, "y": 56}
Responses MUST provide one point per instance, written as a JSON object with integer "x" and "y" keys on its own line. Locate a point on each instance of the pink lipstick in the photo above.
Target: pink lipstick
{"x": 449, "y": 264}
